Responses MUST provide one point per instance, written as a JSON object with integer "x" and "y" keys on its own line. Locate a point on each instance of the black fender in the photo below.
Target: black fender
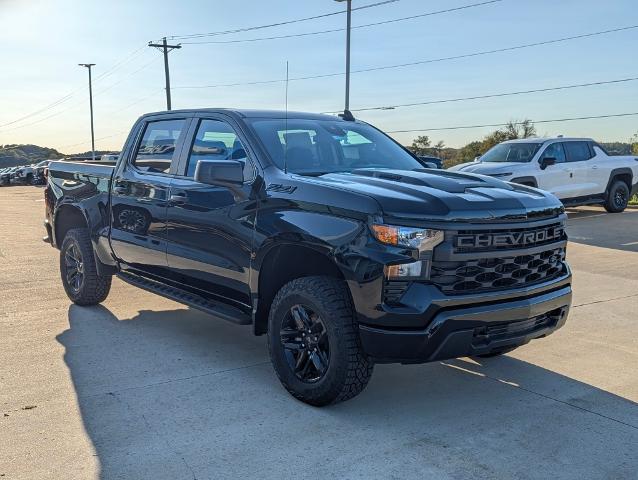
{"x": 346, "y": 244}
{"x": 531, "y": 181}
{"x": 617, "y": 172}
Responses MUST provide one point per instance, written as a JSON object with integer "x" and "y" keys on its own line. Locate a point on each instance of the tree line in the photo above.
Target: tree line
{"x": 423, "y": 145}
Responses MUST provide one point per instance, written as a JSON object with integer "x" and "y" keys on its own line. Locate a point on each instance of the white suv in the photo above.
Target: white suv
{"x": 577, "y": 170}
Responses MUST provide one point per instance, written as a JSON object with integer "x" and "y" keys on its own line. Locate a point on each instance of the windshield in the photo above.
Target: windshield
{"x": 315, "y": 147}
{"x": 511, "y": 152}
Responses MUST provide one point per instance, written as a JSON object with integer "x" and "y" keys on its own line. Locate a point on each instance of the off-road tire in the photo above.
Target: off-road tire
{"x": 94, "y": 287}
{"x": 349, "y": 369}
{"x": 617, "y": 197}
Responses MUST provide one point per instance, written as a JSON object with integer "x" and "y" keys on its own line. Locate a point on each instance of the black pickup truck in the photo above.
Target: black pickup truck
{"x": 322, "y": 233}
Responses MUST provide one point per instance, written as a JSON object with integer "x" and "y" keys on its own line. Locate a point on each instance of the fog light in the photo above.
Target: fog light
{"x": 403, "y": 271}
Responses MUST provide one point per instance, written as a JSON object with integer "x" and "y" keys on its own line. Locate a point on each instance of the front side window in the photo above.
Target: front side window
{"x": 216, "y": 140}
{"x": 511, "y": 152}
{"x": 316, "y": 147}
{"x": 157, "y": 148}
{"x": 555, "y": 150}
{"x": 577, "y": 151}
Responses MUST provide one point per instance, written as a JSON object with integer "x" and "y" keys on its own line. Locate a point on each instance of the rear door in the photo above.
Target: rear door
{"x": 210, "y": 228}
{"x": 140, "y": 193}
{"x": 584, "y": 167}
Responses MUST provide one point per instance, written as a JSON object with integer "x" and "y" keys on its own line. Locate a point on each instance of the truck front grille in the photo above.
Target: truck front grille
{"x": 487, "y": 274}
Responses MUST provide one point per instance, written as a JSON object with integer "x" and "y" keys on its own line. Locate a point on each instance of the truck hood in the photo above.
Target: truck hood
{"x": 444, "y": 195}
{"x": 487, "y": 168}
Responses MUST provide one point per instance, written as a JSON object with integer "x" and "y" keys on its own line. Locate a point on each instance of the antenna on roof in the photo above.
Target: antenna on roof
{"x": 347, "y": 116}
{"x": 286, "y": 125}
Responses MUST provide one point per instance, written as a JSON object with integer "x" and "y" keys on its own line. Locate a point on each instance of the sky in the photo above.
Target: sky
{"x": 44, "y": 40}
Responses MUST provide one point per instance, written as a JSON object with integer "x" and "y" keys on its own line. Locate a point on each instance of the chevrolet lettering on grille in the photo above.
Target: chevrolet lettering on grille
{"x": 513, "y": 239}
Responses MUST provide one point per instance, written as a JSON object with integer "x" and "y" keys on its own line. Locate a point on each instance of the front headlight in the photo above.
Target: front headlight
{"x": 423, "y": 239}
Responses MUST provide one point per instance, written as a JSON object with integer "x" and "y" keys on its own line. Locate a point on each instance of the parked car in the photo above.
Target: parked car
{"x": 109, "y": 158}
{"x": 320, "y": 232}
{"x": 24, "y": 175}
{"x": 39, "y": 172}
{"x": 430, "y": 162}
{"x": 7, "y": 176}
{"x": 577, "y": 170}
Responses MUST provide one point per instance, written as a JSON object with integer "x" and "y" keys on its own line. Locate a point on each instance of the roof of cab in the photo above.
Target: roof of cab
{"x": 247, "y": 113}
{"x": 548, "y": 139}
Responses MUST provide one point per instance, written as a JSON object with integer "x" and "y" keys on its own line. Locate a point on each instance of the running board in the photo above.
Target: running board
{"x": 226, "y": 312}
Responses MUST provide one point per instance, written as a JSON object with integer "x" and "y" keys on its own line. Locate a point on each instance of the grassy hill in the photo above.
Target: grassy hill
{"x": 13, "y": 155}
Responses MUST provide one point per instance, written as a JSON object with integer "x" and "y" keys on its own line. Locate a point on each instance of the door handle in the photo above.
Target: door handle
{"x": 177, "y": 197}
{"x": 119, "y": 189}
{"x": 594, "y": 167}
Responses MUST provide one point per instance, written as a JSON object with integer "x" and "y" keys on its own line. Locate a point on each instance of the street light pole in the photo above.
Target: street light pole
{"x": 348, "y": 29}
{"x": 88, "y": 66}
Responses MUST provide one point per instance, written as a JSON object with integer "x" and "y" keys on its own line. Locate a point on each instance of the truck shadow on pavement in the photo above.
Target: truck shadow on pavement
{"x": 178, "y": 394}
{"x": 593, "y": 226}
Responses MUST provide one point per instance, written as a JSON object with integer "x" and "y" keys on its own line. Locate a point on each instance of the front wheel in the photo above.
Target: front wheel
{"x": 314, "y": 343}
{"x": 617, "y": 197}
{"x": 81, "y": 281}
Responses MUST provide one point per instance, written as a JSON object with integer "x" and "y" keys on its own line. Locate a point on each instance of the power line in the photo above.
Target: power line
{"x": 421, "y": 62}
{"x": 556, "y": 120}
{"x": 278, "y": 24}
{"x": 411, "y": 17}
{"x": 63, "y": 147}
{"x": 81, "y": 102}
{"x": 494, "y": 95}
{"x": 68, "y": 96}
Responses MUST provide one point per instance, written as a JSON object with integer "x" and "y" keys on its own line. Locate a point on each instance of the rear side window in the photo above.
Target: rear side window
{"x": 577, "y": 151}
{"x": 156, "y": 151}
{"x": 555, "y": 150}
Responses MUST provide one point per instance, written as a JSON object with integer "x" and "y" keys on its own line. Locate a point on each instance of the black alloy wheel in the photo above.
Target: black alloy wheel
{"x": 74, "y": 267}
{"x": 620, "y": 198}
{"x": 314, "y": 342}
{"x": 78, "y": 269}
{"x": 617, "y": 197}
{"x": 305, "y": 343}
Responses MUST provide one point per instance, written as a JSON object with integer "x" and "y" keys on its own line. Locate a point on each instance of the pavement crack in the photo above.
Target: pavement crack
{"x": 604, "y": 301}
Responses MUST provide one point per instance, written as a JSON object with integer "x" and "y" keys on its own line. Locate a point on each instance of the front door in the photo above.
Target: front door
{"x": 557, "y": 178}
{"x": 140, "y": 193}
{"x": 210, "y": 228}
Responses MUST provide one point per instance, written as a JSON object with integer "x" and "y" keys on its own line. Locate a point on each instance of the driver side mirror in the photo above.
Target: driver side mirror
{"x": 547, "y": 161}
{"x": 224, "y": 173}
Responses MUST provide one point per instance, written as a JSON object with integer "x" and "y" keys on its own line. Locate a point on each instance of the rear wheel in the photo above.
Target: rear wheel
{"x": 617, "y": 197}
{"x": 81, "y": 281}
{"x": 314, "y": 343}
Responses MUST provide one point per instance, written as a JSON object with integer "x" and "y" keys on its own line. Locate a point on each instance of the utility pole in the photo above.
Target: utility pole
{"x": 165, "y": 49}
{"x": 88, "y": 66}
{"x": 348, "y": 30}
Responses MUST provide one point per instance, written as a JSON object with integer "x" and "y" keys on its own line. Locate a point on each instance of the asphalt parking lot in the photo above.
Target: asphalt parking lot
{"x": 142, "y": 387}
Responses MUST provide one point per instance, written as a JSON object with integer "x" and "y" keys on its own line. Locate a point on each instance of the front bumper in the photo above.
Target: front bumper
{"x": 472, "y": 329}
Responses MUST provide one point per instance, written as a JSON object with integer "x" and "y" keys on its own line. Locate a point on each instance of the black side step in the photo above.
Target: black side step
{"x": 226, "y": 312}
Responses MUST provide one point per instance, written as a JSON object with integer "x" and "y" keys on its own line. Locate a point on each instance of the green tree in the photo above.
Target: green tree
{"x": 438, "y": 148}
{"x": 421, "y": 145}
{"x": 634, "y": 144}
{"x": 512, "y": 131}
